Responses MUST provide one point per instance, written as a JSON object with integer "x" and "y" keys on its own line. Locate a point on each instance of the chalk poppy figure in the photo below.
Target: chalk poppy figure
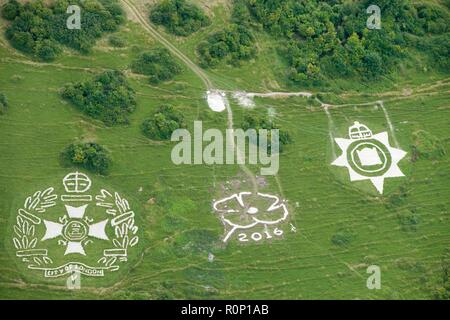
{"x": 245, "y": 211}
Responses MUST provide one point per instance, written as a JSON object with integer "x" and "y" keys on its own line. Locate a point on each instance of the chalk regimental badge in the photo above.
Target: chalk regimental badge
{"x": 369, "y": 157}
{"x": 75, "y": 231}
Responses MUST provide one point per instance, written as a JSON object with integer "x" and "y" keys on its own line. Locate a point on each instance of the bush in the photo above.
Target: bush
{"x": 158, "y": 64}
{"x": 40, "y": 30}
{"x": 10, "y": 10}
{"x": 232, "y": 45}
{"x": 258, "y": 123}
{"x": 90, "y": 156}
{"x": 3, "y": 103}
{"x": 107, "y": 97}
{"x": 427, "y": 146}
{"x": 179, "y": 17}
{"x": 342, "y": 237}
{"x": 117, "y": 41}
{"x": 442, "y": 291}
{"x": 408, "y": 219}
{"x": 162, "y": 123}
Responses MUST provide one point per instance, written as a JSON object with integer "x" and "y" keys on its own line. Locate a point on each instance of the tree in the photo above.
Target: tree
{"x": 158, "y": 64}
{"x": 162, "y": 123}
{"x": 107, "y": 97}
{"x": 179, "y": 17}
{"x": 232, "y": 45}
{"x": 90, "y": 156}
{"x": 253, "y": 121}
{"x": 11, "y": 10}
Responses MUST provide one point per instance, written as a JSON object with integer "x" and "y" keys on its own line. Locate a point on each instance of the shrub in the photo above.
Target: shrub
{"x": 232, "y": 45}
{"x": 3, "y": 103}
{"x": 342, "y": 237}
{"x": 90, "y": 156}
{"x": 117, "y": 41}
{"x": 158, "y": 64}
{"x": 258, "y": 123}
{"x": 107, "y": 97}
{"x": 427, "y": 146}
{"x": 10, "y": 10}
{"x": 179, "y": 17}
{"x": 162, "y": 123}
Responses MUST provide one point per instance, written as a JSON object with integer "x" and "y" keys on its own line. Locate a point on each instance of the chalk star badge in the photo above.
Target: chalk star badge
{"x": 369, "y": 157}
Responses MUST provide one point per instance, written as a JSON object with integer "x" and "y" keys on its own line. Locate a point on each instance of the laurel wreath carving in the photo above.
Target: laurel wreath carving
{"x": 125, "y": 232}
{"x": 24, "y": 229}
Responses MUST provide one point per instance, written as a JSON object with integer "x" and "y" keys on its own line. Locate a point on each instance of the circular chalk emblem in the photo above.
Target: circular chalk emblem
{"x": 369, "y": 157}
{"x": 75, "y": 231}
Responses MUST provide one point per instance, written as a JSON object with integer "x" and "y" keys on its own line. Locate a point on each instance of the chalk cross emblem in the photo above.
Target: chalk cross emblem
{"x": 368, "y": 156}
{"x": 87, "y": 234}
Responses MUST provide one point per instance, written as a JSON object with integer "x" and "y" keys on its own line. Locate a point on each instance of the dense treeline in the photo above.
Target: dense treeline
{"x": 158, "y": 64}
{"x": 3, "y": 103}
{"x": 40, "y": 30}
{"x": 107, "y": 97}
{"x": 90, "y": 156}
{"x": 162, "y": 123}
{"x": 252, "y": 121}
{"x": 232, "y": 45}
{"x": 179, "y": 17}
{"x": 332, "y": 39}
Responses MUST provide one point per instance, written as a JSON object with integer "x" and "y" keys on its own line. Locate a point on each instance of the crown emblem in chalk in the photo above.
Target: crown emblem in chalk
{"x": 76, "y": 184}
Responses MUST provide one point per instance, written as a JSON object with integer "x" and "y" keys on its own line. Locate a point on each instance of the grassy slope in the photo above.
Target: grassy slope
{"x": 179, "y": 230}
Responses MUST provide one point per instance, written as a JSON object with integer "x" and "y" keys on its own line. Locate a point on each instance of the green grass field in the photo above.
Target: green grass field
{"x": 177, "y": 225}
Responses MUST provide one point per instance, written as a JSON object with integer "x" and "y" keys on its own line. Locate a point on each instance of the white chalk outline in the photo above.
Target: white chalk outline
{"x": 122, "y": 221}
{"x": 378, "y": 181}
{"x": 277, "y": 204}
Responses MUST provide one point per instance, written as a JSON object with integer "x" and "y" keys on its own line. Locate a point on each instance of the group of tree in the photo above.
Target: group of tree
{"x": 158, "y": 64}
{"x": 3, "y": 103}
{"x": 179, "y": 17}
{"x": 162, "y": 123}
{"x": 40, "y": 30}
{"x": 107, "y": 97}
{"x": 90, "y": 156}
{"x": 231, "y": 45}
{"x": 258, "y": 122}
{"x": 330, "y": 38}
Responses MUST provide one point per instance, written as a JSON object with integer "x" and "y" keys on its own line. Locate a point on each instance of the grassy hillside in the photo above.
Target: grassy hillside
{"x": 404, "y": 231}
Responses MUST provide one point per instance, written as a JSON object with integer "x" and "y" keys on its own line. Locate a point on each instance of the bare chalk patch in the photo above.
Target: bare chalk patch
{"x": 216, "y": 100}
{"x": 246, "y": 99}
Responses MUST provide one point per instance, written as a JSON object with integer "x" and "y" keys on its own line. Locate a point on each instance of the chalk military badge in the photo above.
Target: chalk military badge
{"x": 369, "y": 157}
{"x": 76, "y": 231}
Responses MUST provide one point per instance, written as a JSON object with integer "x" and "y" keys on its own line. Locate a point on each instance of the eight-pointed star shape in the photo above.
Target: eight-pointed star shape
{"x": 378, "y": 181}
